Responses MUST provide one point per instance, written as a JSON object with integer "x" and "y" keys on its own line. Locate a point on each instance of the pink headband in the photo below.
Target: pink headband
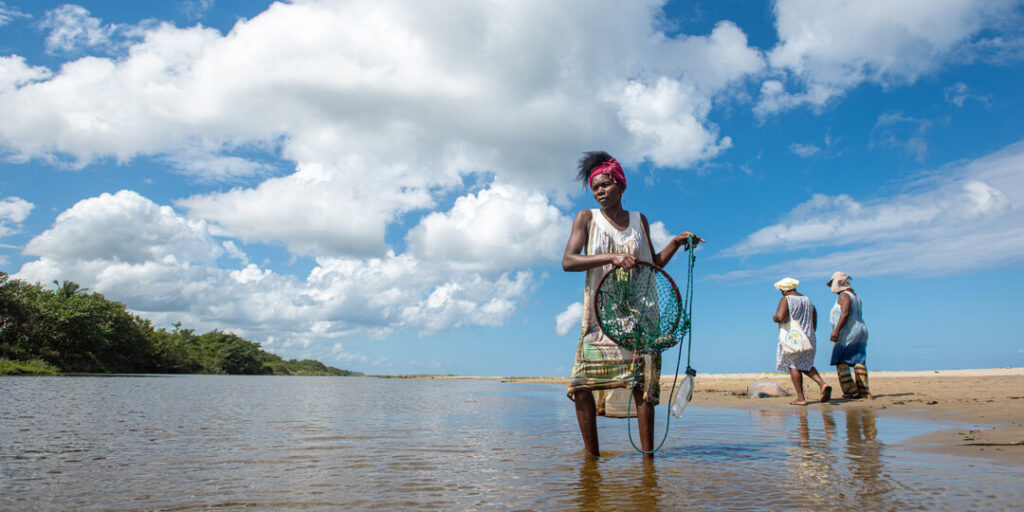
{"x": 611, "y": 167}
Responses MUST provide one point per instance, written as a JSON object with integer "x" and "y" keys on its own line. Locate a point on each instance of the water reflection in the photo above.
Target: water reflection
{"x": 634, "y": 487}
{"x": 588, "y": 492}
{"x": 203, "y": 443}
{"x": 824, "y": 473}
{"x": 812, "y": 463}
{"x": 864, "y": 458}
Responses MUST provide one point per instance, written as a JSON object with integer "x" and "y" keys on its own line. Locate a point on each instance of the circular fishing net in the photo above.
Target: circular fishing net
{"x": 640, "y": 309}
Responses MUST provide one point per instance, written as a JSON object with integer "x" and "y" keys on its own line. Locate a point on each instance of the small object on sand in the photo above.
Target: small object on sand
{"x": 765, "y": 389}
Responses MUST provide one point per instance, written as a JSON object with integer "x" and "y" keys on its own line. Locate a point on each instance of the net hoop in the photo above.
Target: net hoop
{"x": 668, "y": 336}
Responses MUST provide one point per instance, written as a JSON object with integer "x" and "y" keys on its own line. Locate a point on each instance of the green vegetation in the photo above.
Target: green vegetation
{"x": 44, "y": 332}
{"x": 32, "y": 367}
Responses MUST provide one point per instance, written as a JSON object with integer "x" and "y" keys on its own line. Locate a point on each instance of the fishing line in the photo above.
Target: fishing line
{"x": 641, "y": 310}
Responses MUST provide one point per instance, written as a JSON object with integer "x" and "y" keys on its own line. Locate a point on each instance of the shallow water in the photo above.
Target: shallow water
{"x": 217, "y": 442}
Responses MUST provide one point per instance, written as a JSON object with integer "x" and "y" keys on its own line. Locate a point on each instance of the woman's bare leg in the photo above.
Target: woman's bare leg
{"x": 644, "y": 421}
{"x": 586, "y": 416}
{"x": 824, "y": 389}
{"x": 798, "y": 383}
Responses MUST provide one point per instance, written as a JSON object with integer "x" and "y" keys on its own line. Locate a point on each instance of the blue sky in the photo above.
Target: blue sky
{"x": 386, "y": 186}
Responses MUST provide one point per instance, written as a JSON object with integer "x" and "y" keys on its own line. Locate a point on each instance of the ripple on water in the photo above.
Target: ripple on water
{"x": 201, "y": 442}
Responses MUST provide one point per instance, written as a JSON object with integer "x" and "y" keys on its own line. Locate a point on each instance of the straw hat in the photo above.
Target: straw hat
{"x": 839, "y": 282}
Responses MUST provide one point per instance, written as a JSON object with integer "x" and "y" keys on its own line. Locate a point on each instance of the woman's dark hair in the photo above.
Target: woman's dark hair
{"x": 587, "y": 162}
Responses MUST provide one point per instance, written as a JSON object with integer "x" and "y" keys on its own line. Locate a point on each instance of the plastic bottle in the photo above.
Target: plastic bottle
{"x": 683, "y": 394}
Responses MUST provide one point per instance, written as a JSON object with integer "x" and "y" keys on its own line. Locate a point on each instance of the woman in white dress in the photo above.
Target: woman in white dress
{"x": 798, "y": 306}
{"x": 601, "y": 239}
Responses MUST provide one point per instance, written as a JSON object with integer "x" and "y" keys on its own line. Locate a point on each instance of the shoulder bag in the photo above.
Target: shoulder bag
{"x": 792, "y": 337}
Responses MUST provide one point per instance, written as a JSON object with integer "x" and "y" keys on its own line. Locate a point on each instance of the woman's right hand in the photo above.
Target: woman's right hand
{"x": 623, "y": 261}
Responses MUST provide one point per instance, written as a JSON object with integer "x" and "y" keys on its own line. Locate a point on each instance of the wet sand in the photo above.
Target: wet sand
{"x": 981, "y": 411}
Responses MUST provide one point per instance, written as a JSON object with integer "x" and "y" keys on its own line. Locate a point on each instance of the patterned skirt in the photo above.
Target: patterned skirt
{"x": 802, "y": 361}
{"x": 602, "y": 364}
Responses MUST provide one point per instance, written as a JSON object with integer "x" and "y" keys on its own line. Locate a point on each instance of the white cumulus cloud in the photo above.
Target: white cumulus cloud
{"x": 660, "y": 237}
{"x": 569, "y": 319}
{"x": 497, "y": 228}
{"x": 316, "y": 211}
{"x": 72, "y": 28}
{"x": 667, "y": 124}
{"x": 373, "y": 113}
{"x": 165, "y": 266}
{"x": 963, "y": 217}
{"x": 15, "y": 72}
{"x": 125, "y": 227}
{"x": 827, "y": 47}
{"x": 378, "y": 107}
{"x": 13, "y": 210}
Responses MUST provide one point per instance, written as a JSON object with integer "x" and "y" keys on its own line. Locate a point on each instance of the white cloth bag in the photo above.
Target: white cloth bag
{"x": 792, "y": 337}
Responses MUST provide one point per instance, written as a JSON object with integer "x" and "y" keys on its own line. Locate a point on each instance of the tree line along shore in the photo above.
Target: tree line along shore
{"x": 70, "y": 330}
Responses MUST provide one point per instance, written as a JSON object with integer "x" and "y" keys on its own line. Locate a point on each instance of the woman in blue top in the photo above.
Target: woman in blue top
{"x": 851, "y": 338}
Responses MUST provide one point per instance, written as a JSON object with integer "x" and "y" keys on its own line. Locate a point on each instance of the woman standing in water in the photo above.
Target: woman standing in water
{"x": 798, "y": 306}
{"x": 601, "y": 239}
{"x": 851, "y": 337}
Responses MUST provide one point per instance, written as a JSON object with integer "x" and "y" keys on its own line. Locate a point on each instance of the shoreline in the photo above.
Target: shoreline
{"x": 979, "y": 412}
{"x": 976, "y": 412}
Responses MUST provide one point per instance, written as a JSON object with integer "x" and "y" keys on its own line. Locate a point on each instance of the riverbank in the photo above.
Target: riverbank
{"x": 35, "y": 367}
{"x": 982, "y": 411}
{"x": 292, "y": 368}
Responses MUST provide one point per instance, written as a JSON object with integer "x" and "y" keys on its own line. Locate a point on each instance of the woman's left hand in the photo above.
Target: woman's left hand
{"x": 834, "y": 336}
{"x": 683, "y": 239}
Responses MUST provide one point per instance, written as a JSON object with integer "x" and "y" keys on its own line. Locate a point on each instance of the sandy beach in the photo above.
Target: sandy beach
{"x": 981, "y": 411}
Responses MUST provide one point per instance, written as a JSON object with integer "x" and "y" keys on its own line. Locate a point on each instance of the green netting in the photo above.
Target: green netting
{"x": 640, "y": 309}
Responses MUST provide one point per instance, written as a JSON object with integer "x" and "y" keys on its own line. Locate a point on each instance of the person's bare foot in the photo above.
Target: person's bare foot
{"x": 826, "y": 394}
{"x": 798, "y": 402}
